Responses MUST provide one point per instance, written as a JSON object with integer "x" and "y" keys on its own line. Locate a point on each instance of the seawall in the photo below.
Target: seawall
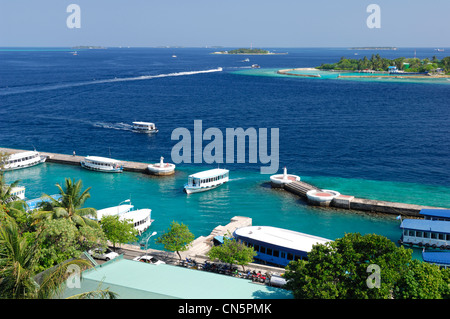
{"x": 350, "y": 202}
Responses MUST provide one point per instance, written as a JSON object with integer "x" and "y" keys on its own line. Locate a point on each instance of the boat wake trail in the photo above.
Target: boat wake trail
{"x": 17, "y": 90}
{"x": 114, "y": 126}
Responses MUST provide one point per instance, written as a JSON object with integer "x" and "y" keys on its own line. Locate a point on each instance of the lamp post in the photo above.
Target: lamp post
{"x": 153, "y": 234}
{"x": 118, "y": 208}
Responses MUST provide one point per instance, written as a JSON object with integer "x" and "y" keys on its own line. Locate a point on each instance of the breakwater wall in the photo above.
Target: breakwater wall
{"x": 350, "y": 202}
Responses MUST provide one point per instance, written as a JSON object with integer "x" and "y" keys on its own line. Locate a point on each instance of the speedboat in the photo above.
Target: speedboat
{"x": 206, "y": 180}
{"x": 102, "y": 164}
{"x": 144, "y": 127}
{"x": 23, "y": 160}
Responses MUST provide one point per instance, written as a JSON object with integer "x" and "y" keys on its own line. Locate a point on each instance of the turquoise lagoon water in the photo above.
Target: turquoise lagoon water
{"x": 248, "y": 193}
{"x": 331, "y": 75}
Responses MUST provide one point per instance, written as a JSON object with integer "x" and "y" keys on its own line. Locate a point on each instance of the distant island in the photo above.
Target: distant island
{"x": 373, "y": 48}
{"x": 398, "y": 65}
{"x": 83, "y": 47}
{"x": 247, "y": 52}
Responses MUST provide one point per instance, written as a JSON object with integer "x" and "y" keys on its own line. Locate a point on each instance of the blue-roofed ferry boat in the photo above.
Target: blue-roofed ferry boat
{"x": 277, "y": 246}
{"x": 440, "y": 258}
{"x": 434, "y": 231}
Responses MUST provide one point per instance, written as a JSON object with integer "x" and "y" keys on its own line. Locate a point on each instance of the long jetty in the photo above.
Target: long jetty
{"x": 349, "y": 202}
{"x": 76, "y": 159}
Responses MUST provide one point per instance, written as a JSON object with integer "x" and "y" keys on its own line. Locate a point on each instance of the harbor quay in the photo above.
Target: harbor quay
{"x": 312, "y": 194}
{"x": 327, "y": 198}
{"x": 76, "y": 159}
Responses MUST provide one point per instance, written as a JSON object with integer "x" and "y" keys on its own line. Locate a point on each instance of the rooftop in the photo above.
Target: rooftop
{"x": 281, "y": 237}
{"x": 426, "y": 225}
{"x": 210, "y": 173}
{"x": 445, "y": 213}
{"x": 137, "y": 280}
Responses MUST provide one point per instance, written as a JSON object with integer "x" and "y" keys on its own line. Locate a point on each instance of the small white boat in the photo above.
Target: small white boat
{"x": 144, "y": 127}
{"x": 206, "y": 180}
{"x": 141, "y": 218}
{"x": 255, "y": 66}
{"x": 102, "y": 164}
{"x": 161, "y": 168}
{"x": 23, "y": 160}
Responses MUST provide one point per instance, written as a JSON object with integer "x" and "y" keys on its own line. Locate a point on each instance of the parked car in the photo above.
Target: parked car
{"x": 102, "y": 253}
{"x": 149, "y": 259}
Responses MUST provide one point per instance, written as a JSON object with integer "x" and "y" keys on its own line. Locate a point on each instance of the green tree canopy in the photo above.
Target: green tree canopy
{"x": 232, "y": 252}
{"x": 118, "y": 231}
{"x": 177, "y": 238}
{"x": 340, "y": 269}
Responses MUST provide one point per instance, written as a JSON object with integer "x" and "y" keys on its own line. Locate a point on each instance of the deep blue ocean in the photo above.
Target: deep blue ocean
{"x": 370, "y": 135}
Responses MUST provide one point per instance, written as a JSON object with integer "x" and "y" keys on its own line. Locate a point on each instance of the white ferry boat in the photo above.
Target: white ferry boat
{"x": 23, "y": 160}
{"x": 141, "y": 218}
{"x": 277, "y": 246}
{"x": 145, "y": 127}
{"x": 161, "y": 168}
{"x": 103, "y": 164}
{"x": 206, "y": 180}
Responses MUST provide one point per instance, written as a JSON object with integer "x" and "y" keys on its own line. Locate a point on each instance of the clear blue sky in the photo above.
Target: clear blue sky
{"x": 263, "y": 23}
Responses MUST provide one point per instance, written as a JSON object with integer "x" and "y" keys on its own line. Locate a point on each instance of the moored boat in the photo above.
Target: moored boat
{"x": 145, "y": 127}
{"x": 23, "y": 160}
{"x": 425, "y": 233}
{"x": 161, "y": 168}
{"x": 141, "y": 218}
{"x": 206, "y": 180}
{"x": 277, "y": 246}
{"x": 102, "y": 164}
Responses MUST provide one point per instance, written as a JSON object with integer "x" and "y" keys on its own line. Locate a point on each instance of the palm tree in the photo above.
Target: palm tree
{"x": 18, "y": 261}
{"x": 69, "y": 206}
{"x": 15, "y": 206}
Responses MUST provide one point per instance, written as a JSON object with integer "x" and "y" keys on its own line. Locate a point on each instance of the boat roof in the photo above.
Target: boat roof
{"x": 22, "y": 154}
{"x": 116, "y": 210}
{"x": 438, "y": 257}
{"x": 210, "y": 173}
{"x": 101, "y": 159}
{"x": 436, "y": 212}
{"x": 144, "y": 123}
{"x": 281, "y": 237}
{"x": 33, "y": 203}
{"x": 439, "y": 226}
{"x": 136, "y": 215}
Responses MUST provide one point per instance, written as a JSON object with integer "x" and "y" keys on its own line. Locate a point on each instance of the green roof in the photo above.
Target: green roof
{"x": 137, "y": 280}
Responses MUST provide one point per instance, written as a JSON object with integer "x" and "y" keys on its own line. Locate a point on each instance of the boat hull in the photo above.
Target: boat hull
{"x": 192, "y": 190}
{"x": 31, "y": 164}
{"x": 91, "y": 168}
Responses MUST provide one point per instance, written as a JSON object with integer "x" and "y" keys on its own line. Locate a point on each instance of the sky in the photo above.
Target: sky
{"x": 228, "y": 23}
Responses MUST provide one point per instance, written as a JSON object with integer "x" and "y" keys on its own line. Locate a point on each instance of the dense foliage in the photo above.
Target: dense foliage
{"x": 377, "y": 63}
{"x": 248, "y": 51}
{"x": 349, "y": 267}
{"x": 177, "y": 238}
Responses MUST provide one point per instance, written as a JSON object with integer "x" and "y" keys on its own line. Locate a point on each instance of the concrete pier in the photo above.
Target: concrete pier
{"x": 76, "y": 159}
{"x": 361, "y": 204}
